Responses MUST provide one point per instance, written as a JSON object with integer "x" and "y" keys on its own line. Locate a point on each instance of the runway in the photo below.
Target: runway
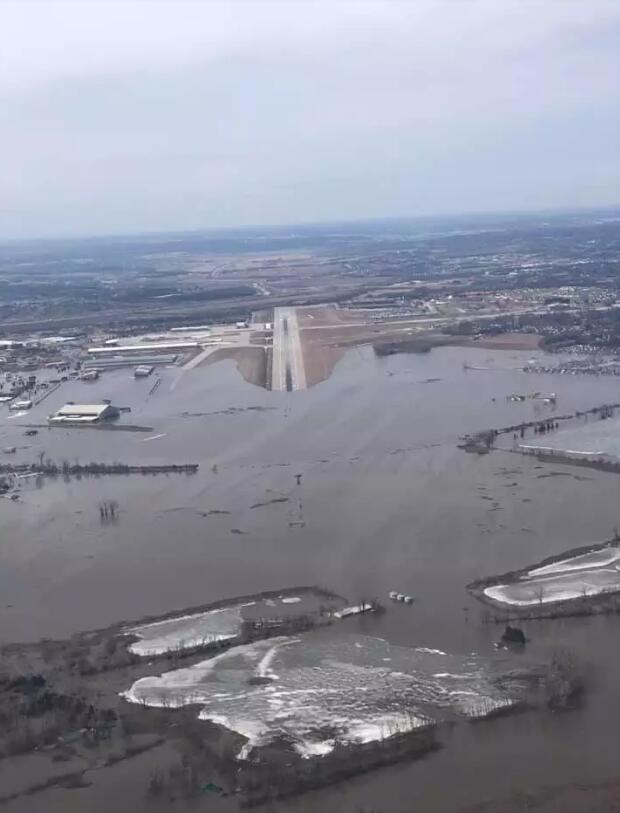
{"x": 288, "y": 371}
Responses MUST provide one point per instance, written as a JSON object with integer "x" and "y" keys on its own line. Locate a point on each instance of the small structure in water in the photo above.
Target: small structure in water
{"x": 401, "y": 597}
{"x": 512, "y": 635}
{"x": 76, "y": 414}
{"x": 26, "y": 403}
{"x": 143, "y": 370}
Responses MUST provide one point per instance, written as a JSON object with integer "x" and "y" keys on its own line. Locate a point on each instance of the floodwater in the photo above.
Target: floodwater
{"x": 385, "y": 502}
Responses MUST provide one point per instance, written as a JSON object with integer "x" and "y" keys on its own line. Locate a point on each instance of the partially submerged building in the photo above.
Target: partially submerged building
{"x": 26, "y": 403}
{"x": 77, "y": 414}
{"x": 143, "y": 370}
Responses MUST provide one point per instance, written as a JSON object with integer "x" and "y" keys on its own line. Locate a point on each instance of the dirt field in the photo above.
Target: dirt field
{"x": 327, "y": 315}
{"x": 319, "y": 358}
{"x": 423, "y": 342}
{"x": 509, "y": 341}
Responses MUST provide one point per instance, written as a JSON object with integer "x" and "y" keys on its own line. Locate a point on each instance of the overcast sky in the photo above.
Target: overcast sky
{"x": 145, "y": 115}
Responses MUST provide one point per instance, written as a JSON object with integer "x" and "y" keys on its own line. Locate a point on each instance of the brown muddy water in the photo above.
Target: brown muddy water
{"x": 385, "y": 502}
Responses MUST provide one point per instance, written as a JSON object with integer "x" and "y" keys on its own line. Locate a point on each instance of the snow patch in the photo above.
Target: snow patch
{"x": 186, "y": 631}
{"x": 327, "y": 691}
{"x": 345, "y": 612}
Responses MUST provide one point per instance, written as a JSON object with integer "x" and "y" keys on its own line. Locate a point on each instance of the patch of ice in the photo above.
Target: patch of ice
{"x": 383, "y": 726}
{"x": 327, "y": 691}
{"x": 255, "y": 733}
{"x": 562, "y": 587}
{"x": 264, "y": 669}
{"x": 309, "y": 748}
{"x": 451, "y": 675}
{"x": 186, "y": 631}
{"x": 585, "y": 561}
{"x": 477, "y": 707}
{"x": 345, "y": 612}
{"x": 290, "y": 600}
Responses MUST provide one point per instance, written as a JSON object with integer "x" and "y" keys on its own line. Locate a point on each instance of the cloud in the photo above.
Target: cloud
{"x": 122, "y": 115}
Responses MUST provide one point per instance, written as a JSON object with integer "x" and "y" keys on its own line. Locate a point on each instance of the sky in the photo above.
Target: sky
{"x": 121, "y": 116}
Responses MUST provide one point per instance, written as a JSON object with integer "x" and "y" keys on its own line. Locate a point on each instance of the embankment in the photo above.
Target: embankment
{"x": 251, "y": 362}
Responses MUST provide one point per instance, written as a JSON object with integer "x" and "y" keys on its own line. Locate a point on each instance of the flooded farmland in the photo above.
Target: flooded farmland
{"x": 385, "y": 502}
{"x": 322, "y": 691}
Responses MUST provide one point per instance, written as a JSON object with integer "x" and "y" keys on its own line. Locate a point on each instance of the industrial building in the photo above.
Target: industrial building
{"x": 25, "y": 404}
{"x": 152, "y": 347}
{"x": 84, "y": 414}
{"x": 143, "y": 370}
{"x": 107, "y": 362}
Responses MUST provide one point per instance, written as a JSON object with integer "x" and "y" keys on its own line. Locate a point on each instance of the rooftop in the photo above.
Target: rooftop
{"x": 142, "y": 348}
{"x": 82, "y": 409}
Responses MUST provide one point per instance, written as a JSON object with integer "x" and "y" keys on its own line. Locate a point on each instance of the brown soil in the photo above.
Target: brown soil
{"x": 327, "y": 315}
{"x": 426, "y": 341}
{"x": 319, "y": 358}
{"x": 509, "y": 341}
{"x": 251, "y": 362}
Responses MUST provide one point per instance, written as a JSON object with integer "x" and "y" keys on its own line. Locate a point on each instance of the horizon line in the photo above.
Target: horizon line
{"x": 248, "y": 227}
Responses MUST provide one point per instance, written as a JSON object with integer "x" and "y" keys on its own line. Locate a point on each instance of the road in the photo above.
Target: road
{"x": 288, "y": 372}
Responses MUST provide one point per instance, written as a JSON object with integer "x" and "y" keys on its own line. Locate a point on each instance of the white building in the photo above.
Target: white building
{"x": 143, "y": 370}
{"x": 153, "y": 347}
{"x": 25, "y": 404}
{"x": 84, "y": 414}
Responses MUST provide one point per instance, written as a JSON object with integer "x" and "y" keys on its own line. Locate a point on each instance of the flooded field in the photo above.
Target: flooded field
{"x": 385, "y": 501}
{"x": 588, "y": 437}
{"x": 344, "y": 689}
{"x": 542, "y": 590}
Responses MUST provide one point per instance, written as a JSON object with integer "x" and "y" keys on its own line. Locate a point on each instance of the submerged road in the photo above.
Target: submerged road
{"x": 288, "y": 372}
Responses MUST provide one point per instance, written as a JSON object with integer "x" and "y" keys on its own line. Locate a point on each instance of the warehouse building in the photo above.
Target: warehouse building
{"x": 152, "y": 347}
{"x": 128, "y": 361}
{"x": 84, "y": 414}
{"x": 143, "y": 370}
{"x": 105, "y": 362}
